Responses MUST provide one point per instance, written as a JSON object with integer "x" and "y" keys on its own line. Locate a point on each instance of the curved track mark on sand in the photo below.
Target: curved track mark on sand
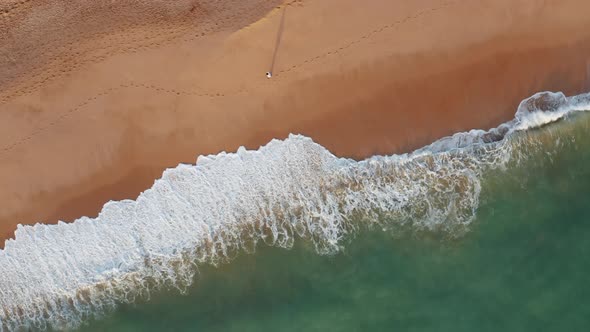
{"x": 367, "y": 36}
{"x": 133, "y": 45}
{"x": 220, "y": 94}
{"x": 130, "y": 85}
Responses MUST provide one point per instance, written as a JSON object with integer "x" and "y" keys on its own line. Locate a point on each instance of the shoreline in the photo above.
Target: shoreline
{"x": 364, "y": 100}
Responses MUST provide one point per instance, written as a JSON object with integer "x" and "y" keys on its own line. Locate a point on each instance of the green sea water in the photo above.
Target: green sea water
{"x": 522, "y": 266}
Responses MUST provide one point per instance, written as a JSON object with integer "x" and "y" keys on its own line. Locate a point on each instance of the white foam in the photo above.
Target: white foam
{"x": 60, "y": 275}
{"x": 547, "y": 107}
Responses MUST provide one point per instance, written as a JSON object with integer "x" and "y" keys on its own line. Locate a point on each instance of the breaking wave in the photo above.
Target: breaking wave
{"x": 58, "y": 276}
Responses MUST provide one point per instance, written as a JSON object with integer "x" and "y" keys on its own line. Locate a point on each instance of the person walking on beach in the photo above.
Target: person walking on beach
{"x": 277, "y": 43}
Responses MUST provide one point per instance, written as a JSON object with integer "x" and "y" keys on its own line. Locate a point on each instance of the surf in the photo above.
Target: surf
{"x": 59, "y": 276}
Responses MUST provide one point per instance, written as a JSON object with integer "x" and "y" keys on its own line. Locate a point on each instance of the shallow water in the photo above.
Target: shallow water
{"x": 485, "y": 230}
{"x": 522, "y": 266}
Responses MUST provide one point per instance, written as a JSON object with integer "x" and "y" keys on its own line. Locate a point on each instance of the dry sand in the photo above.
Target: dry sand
{"x": 97, "y": 98}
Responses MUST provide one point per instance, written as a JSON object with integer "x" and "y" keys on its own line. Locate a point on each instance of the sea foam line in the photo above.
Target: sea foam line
{"x": 60, "y": 275}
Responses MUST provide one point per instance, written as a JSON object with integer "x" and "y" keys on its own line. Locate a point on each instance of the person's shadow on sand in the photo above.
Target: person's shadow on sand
{"x": 277, "y": 44}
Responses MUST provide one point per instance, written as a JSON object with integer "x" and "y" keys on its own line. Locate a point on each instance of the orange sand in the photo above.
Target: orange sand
{"x": 97, "y": 98}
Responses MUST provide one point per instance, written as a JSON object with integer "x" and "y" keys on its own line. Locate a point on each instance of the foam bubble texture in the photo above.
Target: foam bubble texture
{"x": 58, "y": 276}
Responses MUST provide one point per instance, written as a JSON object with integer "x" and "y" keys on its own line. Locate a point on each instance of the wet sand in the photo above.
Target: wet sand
{"x": 97, "y": 107}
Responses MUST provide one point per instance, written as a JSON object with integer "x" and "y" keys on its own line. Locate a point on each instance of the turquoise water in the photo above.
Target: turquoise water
{"x": 521, "y": 266}
{"x": 484, "y": 230}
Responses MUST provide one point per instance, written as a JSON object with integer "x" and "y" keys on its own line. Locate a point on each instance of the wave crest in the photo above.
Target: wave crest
{"x": 61, "y": 275}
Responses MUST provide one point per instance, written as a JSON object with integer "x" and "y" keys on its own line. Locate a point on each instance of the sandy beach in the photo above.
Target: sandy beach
{"x": 98, "y": 98}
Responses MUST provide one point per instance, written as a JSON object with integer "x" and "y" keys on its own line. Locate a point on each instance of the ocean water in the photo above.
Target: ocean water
{"x": 485, "y": 230}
